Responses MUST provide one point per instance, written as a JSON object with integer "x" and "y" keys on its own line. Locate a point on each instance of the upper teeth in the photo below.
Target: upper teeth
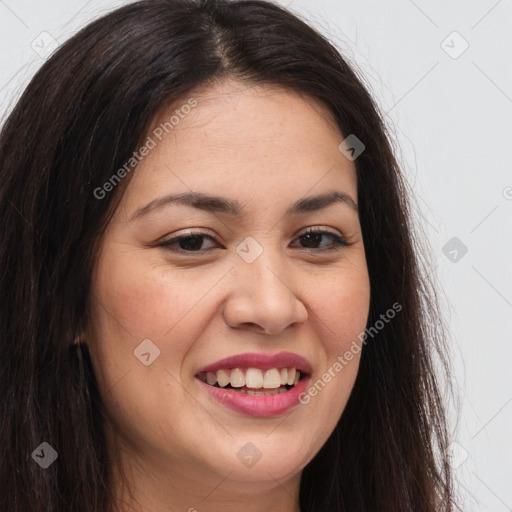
{"x": 253, "y": 377}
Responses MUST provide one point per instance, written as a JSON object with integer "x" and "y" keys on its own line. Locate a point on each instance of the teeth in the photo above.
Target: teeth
{"x": 271, "y": 392}
{"x": 222, "y": 378}
{"x": 254, "y": 378}
{"x": 237, "y": 378}
{"x": 272, "y": 379}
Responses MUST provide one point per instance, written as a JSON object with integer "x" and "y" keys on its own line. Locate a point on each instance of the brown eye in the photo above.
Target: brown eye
{"x": 313, "y": 237}
{"x": 189, "y": 243}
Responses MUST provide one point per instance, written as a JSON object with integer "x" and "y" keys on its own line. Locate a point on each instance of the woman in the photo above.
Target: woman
{"x": 286, "y": 365}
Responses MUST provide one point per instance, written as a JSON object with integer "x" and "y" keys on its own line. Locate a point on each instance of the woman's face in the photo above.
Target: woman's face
{"x": 248, "y": 283}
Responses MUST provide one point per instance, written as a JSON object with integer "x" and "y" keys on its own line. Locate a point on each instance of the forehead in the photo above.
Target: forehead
{"x": 243, "y": 141}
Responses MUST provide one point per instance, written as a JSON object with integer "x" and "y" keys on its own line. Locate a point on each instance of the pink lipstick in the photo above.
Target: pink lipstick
{"x": 257, "y": 384}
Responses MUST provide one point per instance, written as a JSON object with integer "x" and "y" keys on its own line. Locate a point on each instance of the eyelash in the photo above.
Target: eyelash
{"x": 338, "y": 244}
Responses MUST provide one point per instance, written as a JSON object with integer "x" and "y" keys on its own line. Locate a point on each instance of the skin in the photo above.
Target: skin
{"x": 265, "y": 147}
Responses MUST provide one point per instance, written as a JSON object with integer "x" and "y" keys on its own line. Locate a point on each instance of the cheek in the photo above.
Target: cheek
{"x": 132, "y": 302}
{"x": 343, "y": 307}
{"x": 141, "y": 299}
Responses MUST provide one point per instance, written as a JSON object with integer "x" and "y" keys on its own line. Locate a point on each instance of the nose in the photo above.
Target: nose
{"x": 263, "y": 297}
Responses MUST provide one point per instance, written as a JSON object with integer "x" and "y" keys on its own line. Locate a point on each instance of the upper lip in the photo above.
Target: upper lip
{"x": 262, "y": 361}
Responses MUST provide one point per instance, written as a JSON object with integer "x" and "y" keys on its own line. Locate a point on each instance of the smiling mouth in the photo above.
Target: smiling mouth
{"x": 253, "y": 381}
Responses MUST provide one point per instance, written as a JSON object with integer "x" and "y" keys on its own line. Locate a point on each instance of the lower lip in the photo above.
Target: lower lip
{"x": 258, "y": 405}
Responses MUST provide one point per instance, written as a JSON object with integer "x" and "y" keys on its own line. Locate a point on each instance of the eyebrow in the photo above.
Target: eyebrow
{"x": 217, "y": 204}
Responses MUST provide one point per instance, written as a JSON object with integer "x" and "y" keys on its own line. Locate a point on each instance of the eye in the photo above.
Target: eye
{"x": 313, "y": 236}
{"x": 193, "y": 242}
{"x": 188, "y": 243}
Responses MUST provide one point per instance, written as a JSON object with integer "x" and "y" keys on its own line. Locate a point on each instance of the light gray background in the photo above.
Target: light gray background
{"x": 451, "y": 115}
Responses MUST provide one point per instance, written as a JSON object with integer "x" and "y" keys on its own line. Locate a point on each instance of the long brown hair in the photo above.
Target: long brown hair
{"x": 78, "y": 121}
